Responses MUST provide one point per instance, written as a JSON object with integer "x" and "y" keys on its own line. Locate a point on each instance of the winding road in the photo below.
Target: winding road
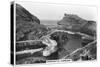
{"x": 50, "y": 43}
{"x": 53, "y": 31}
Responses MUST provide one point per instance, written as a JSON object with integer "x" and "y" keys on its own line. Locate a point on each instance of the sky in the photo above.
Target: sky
{"x": 49, "y": 11}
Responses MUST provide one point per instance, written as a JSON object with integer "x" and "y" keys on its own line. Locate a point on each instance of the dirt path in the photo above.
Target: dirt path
{"x": 69, "y": 32}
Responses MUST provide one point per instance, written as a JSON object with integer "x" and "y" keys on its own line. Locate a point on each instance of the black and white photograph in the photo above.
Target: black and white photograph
{"x": 49, "y": 33}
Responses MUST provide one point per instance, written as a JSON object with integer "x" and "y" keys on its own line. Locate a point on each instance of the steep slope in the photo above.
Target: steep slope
{"x": 24, "y": 15}
{"x": 27, "y": 25}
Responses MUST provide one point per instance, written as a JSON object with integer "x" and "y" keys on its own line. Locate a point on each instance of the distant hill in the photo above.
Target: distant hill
{"x": 49, "y": 22}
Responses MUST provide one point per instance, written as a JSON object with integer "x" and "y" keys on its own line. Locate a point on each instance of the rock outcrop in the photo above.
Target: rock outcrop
{"x": 75, "y": 23}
